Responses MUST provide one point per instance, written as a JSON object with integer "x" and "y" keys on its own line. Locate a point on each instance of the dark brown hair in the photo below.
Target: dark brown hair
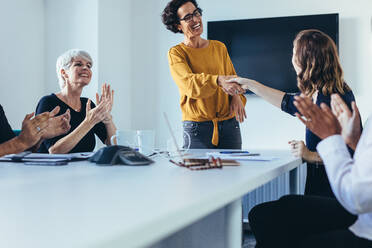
{"x": 316, "y": 55}
{"x": 169, "y": 16}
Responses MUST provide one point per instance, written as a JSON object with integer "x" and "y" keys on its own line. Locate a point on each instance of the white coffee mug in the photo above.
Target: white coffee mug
{"x": 146, "y": 141}
{"x": 125, "y": 138}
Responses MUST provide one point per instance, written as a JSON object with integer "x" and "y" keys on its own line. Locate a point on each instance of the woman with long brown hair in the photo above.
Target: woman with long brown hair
{"x": 288, "y": 221}
{"x": 319, "y": 74}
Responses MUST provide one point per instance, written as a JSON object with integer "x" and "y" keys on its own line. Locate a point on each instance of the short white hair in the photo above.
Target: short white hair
{"x": 65, "y": 60}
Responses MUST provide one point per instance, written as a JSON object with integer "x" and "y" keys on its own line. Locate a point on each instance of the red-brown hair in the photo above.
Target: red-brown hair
{"x": 316, "y": 55}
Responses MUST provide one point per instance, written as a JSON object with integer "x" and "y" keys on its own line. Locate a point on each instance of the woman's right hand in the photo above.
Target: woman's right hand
{"x": 243, "y": 82}
{"x": 229, "y": 87}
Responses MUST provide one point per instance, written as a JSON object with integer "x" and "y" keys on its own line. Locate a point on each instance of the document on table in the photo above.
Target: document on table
{"x": 47, "y": 156}
{"x": 254, "y": 158}
{"x": 241, "y": 156}
{"x": 69, "y": 156}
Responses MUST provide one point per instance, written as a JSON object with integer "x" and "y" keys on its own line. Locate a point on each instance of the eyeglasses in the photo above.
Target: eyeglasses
{"x": 197, "y": 13}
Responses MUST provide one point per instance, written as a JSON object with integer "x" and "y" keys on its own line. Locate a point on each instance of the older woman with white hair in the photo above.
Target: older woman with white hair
{"x": 87, "y": 120}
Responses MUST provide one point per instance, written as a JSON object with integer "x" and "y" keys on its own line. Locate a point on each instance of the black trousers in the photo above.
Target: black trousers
{"x": 317, "y": 182}
{"x": 229, "y": 135}
{"x": 304, "y": 221}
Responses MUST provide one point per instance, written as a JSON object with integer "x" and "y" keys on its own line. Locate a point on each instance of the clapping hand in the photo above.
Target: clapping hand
{"x": 107, "y": 97}
{"x": 33, "y": 129}
{"x": 350, "y": 122}
{"x": 57, "y": 125}
{"x": 97, "y": 114}
{"x": 320, "y": 121}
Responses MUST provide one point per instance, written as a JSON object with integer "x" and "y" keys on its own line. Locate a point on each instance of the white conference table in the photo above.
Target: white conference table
{"x": 84, "y": 205}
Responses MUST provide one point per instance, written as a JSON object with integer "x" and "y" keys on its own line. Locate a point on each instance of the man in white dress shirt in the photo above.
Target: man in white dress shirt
{"x": 350, "y": 177}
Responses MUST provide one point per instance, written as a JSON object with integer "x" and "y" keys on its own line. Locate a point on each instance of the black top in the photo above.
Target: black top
{"x": 311, "y": 139}
{"x": 6, "y": 132}
{"x": 317, "y": 182}
{"x": 88, "y": 142}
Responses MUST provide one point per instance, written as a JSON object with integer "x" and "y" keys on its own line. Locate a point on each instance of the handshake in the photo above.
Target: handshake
{"x": 234, "y": 85}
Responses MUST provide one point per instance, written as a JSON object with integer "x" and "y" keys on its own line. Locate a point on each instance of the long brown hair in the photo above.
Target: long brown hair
{"x": 316, "y": 55}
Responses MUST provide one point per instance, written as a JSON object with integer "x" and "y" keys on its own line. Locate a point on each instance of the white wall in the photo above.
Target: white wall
{"x": 103, "y": 28}
{"x": 70, "y": 24}
{"x": 145, "y": 62}
{"x": 115, "y": 56}
{"x": 21, "y": 57}
{"x": 129, "y": 47}
{"x": 267, "y": 127}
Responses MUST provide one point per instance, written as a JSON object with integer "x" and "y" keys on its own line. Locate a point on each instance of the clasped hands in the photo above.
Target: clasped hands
{"x": 234, "y": 85}
{"x": 43, "y": 126}
{"x": 325, "y": 121}
{"x": 102, "y": 112}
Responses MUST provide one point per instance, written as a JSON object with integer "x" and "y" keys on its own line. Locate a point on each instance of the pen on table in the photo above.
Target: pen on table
{"x": 250, "y": 154}
{"x": 170, "y": 160}
{"x": 242, "y": 154}
{"x": 232, "y": 152}
{"x": 152, "y": 154}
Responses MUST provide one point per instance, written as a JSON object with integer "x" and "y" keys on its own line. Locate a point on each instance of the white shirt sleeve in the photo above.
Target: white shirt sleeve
{"x": 350, "y": 179}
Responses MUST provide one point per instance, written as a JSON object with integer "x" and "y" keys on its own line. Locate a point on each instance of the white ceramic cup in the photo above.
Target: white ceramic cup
{"x": 146, "y": 141}
{"x": 125, "y": 138}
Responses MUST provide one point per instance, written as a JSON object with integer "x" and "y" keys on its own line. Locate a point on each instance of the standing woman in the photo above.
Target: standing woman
{"x": 87, "y": 120}
{"x": 319, "y": 74}
{"x": 200, "y": 69}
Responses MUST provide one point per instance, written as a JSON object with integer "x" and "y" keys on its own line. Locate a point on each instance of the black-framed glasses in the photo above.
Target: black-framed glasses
{"x": 197, "y": 13}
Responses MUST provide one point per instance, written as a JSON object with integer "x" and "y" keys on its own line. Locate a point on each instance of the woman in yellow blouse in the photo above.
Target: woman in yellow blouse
{"x": 211, "y": 107}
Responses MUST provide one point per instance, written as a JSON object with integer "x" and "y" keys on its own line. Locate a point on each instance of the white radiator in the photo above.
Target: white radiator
{"x": 273, "y": 190}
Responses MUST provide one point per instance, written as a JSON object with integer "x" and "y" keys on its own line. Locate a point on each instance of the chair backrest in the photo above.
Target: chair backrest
{"x": 17, "y": 131}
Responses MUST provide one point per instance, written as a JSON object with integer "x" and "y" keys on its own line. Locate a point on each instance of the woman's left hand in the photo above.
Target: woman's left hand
{"x": 237, "y": 107}
{"x": 107, "y": 96}
{"x": 299, "y": 149}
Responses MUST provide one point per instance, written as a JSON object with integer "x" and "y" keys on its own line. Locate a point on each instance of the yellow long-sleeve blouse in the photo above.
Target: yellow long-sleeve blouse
{"x": 195, "y": 71}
